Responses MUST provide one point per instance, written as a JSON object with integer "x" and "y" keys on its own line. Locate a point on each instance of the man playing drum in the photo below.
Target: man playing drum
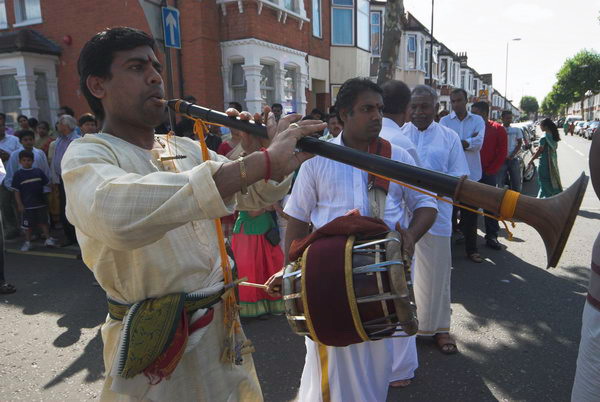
{"x": 324, "y": 190}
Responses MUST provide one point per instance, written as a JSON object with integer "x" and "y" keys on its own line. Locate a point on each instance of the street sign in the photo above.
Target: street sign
{"x": 171, "y": 27}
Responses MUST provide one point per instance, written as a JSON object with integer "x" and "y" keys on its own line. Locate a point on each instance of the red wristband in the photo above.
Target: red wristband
{"x": 267, "y": 164}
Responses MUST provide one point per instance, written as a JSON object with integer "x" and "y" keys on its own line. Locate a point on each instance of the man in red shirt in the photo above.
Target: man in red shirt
{"x": 493, "y": 153}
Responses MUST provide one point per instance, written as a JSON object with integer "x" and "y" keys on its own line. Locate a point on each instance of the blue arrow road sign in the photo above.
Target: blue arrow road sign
{"x": 171, "y": 27}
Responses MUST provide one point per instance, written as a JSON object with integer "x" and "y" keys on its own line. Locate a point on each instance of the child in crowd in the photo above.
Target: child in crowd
{"x": 29, "y": 183}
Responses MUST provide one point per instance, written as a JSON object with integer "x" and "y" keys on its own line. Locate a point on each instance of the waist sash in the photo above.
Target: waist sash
{"x": 155, "y": 331}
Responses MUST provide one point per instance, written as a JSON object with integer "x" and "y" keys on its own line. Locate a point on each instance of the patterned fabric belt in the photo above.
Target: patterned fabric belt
{"x": 155, "y": 331}
{"x": 593, "y": 296}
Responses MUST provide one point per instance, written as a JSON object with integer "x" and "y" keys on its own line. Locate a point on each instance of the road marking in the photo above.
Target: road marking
{"x": 44, "y": 254}
{"x": 576, "y": 150}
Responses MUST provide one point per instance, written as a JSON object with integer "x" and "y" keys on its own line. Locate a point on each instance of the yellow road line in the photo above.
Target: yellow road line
{"x": 44, "y": 254}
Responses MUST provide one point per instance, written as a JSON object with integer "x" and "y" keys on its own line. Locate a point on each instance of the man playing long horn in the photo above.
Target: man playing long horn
{"x": 144, "y": 222}
{"x": 325, "y": 189}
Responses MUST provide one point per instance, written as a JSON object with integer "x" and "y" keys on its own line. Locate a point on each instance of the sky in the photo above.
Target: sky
{"x": 550, "y": 30}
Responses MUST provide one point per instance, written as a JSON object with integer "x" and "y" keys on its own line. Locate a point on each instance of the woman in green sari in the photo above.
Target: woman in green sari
{"x": 548, "y": 174}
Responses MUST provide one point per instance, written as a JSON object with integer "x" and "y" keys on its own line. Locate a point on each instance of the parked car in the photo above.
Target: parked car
{"x": 530, "y": 144}
{"x": 580, "y": 127}
{"x": 592, "y": 129}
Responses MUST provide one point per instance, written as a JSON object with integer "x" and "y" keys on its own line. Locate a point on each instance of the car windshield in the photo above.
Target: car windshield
{"x": 595, "y": 124}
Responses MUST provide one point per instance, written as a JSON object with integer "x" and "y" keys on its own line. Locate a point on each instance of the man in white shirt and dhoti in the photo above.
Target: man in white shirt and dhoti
{"x": 324, "y": 190}
{"x": 439, "y": 149}
{"x": 143, "y": 207}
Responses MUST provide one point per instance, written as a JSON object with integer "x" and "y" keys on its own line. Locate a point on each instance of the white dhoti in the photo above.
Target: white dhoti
{"x": 587, "y": 377}
{"x": 404, "y": 358}
{"x": 432, "y": 284}
{"x": 358, "y": 372}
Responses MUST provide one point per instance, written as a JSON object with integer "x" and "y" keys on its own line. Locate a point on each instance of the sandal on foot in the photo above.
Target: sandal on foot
{"x": 6, "y": 288}
{"x": 475, "y": 257}
{"x": 445, "y": 343}
{"x": 400, "y": 383}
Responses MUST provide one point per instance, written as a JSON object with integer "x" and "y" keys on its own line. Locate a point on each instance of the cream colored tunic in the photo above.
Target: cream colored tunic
{"x": 146, "y": 232}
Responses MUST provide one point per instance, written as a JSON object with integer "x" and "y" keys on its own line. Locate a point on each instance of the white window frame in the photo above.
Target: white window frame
{"x": 13, "y": 122}
{"x": 380, "y": 25}
{"x": 273, "y": 89}
{"x": 353, "y": 18}
{"x": 20, "y": 8}
{"x": 415, "y": 51}
{"x": 3, "y": 15}
{"x": 233, "y": 87}
{"x": 426, "y": 61}
{"x": 319, "y": 3}
{"x": 367, "y": 16}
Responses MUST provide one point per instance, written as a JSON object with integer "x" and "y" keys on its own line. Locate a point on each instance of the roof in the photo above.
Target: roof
{"x": 27, "y": 40}
{"x": 414, "y": 24}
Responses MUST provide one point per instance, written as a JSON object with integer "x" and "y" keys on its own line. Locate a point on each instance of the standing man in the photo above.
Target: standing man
{"x": 145, "y": 223}
{"x": 471, "y": 131}
{"x": 325, "y": 190}
{"x": 492, "y": 157}
{"x": 334, "y": 127}
{"x": 8, "y": 144}
{"x": 67, "y": 133}
{"x": 277, "y": 110}
{"x": 439, "y": 149}
{"x": 511, "y": 163}
{"x": 396, "y": 97}
{"x": 8, "y": 130}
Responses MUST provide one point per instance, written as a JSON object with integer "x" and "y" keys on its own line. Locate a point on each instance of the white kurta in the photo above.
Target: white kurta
{"x": 472, "y": 130}
{"x": 439, "y": 149}
{"x": 324, "y": 190}
{"x": 146, "y": 232}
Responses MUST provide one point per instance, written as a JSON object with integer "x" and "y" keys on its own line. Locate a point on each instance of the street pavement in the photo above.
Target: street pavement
{"x": 517, "y": 324}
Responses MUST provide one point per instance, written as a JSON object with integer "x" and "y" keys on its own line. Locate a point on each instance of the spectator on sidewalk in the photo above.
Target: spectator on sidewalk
{"x": 67, "y": 134}
{"x": 492, "y": 157}
{"x": 277, "y": 110}
{"x": 8, "y": 144}
{"x": 43, "y": 137}
{"x": 23, "y": 122}
{"x": 30, "y": 185}
{"x": 511, "y": 164}
{"x": 26, "y": 137}
{"x": 88, "y": 124}
{"x": 471, "y": 130}
{"x": 5, "y": 287}
{"x": 9, "y": 131}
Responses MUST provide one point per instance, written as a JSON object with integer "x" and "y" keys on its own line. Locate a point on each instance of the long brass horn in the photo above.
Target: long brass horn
{"x": 552, "y": 217}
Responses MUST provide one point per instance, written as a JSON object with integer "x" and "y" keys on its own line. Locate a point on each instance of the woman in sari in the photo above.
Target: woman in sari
{"x": 548, "y": 173}
{"x": 257, "y": 255}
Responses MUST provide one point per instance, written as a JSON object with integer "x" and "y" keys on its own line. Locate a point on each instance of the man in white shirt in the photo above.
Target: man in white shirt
{"x": 439, "y": 149}
{"x": 8, "y": 144}
{"x": 471, "y": 130}
{"x": 511, "y": 164}
{"x": 324, "y": 190}
{"x": 396, "y": 97}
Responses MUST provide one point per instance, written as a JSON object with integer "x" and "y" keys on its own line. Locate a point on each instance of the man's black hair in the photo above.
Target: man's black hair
{"x": 350, "y": 90}
{"x": 26, "y": 154}
{"x": 68, "y": 110}
{"x": 460, "y": 91}
{"x": 236, "y": 105}
{"x": 97, "y": 56}
{"x": 24, "y": 133}
{"x": 483, "y": 106}
{"x": 45, "y": 124}
{"x": 86, "y": 118}
{"x": 277, "y": 105}
{"x": 3, "y": 115}
{"x": 33, "y": 122}
{"x": 396, "y": 97}
{"x": 22, "y": 116}
{"x": 505, "y": 112}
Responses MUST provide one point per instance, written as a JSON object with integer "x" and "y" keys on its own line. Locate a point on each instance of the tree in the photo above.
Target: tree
{"x": 578, "y": 75}
{"x": 392, "y": 34}
{"x": 529, "y": 105}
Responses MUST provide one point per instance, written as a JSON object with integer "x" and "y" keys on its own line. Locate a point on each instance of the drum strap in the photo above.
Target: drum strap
{"x": 377, "y": 188}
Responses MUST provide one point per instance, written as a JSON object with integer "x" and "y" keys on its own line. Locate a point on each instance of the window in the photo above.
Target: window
{"x": 41, "y": 96}
{"x": 362, "y": 24}
{"x": 411, "y": 52}
{"x": 316, "y": 18}
{"x": 376, "y": 33}
{"x": 462, "y": 80}
{"x": 28, "y": 11}
{"x": 444, "y": 71}
{"x": 426, "y": 62}
{"x": 290, "y": 90}
{"x": 291, "y": 5}
{"x": 238, "y": 84}
{"x": 267, "y": 84}
{"x": 342, "y": 21}
{"x": 3, "y": 20}
{"x": 10, "y": 98}
{"x": 421, "y": 53}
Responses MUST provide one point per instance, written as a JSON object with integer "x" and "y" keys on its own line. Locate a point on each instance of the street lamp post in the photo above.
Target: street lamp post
{"x": 506, "y": 73}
